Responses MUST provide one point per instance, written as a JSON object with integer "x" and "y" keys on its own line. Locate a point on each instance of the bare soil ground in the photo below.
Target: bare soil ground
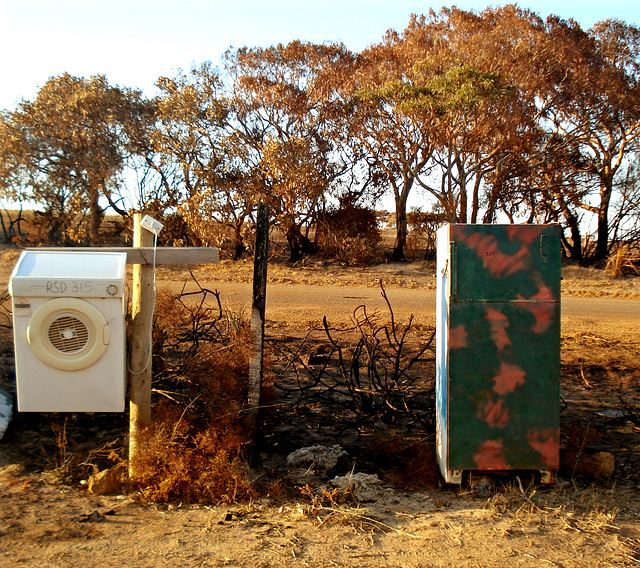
{"x": 591, "y": 517}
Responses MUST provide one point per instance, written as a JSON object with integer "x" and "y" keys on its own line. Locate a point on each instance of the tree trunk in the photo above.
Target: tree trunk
{"x": 475, "y": 203}
{"x": 401, "y": 222}
{"x": 602, "y": 245}
{"x": 575, "y": 246}
{"x": 462, "y": 216}
{"x": 299, "y": 245}
{"x": 401, "y": 234}
{"x": 95, "y": 216}
{"x": 575, "y": 250}
{"x": 239, "y": 248}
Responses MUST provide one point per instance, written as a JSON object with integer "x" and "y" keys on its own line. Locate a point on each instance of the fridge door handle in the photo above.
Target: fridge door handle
{"x": 453, "y": 270}
{"x": 544, "y": 246}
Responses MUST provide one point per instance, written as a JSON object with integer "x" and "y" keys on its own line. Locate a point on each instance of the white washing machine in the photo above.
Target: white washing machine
{"x": 69, "y": 331}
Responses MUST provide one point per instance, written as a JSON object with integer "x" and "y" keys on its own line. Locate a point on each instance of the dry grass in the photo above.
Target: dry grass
{"x": 587, "y": 281}
{"x": 339, "y": 507}
{"x": 625, "y": 260}
{"x": 589, "y": 510}
{"x": 186, "y": 459}
{"x": 196, "y": 449}
{"x": 318, "y": 272}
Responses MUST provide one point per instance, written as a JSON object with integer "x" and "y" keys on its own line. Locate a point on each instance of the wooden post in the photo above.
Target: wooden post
{"x": 257, "y": 315}
{"x": 142, "y": 306}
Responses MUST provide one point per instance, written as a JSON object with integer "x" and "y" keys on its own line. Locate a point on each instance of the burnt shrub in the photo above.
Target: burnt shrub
{"x": 196, "y": 448}
{"x": 349, "y": 233}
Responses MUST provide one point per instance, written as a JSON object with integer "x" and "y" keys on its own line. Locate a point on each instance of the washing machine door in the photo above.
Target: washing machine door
{"x": 68, "y": 333}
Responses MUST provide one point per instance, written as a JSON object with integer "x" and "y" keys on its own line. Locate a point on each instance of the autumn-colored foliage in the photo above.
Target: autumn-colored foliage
{"x": 195, "y": 450}
{"x": 479, "y": 116}
{"x": 350, "y": 234}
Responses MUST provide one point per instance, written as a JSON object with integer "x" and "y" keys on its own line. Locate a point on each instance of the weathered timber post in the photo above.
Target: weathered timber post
{"x": 142, "y": 306}
{"x": 257, "y": 315}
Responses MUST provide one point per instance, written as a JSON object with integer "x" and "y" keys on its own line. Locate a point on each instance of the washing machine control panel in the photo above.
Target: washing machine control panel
{"x": 61, "y": 287}
{"x": 69, "y": 274}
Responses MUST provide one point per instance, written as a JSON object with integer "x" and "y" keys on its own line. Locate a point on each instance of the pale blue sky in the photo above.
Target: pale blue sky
{"x": 133, "y": 42}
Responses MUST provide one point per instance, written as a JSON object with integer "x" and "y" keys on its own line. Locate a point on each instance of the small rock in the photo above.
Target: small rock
{"x": 600, "y": 465}
{"x": 322, "y": 456}
{"x": 316, "y": 359}
{"x": 95, "y": 517}
{"x": 363, "y": 486}
{"x": 106, "y": 482}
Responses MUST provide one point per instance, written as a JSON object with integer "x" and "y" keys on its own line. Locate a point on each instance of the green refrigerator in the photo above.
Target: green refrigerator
{"x": 498, "y": 349}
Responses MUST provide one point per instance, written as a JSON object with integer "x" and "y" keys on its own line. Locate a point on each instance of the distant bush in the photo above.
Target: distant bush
{"x": 422, "y": 232}
{"x": 350, "y": 234}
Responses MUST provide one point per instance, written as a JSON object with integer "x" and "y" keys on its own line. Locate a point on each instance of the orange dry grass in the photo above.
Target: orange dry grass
{"x": 196, "y": 449}
{"x": 188, "y": 460}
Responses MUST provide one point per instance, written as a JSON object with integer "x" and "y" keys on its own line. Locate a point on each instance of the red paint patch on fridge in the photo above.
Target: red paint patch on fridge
{"x": 509, "y": 378}
{"x": 498, "y": 323}
{"x": 497, "y": 262}
{"x": 458, "y": 337}
{"x": 546, "y": 441}
{"x": 494, "y": 413}
{"x": 524, "y": 233}
{"x": 545, "y": 294}
{"x": 490, "y": 455}
{"x": 543, "y": 312}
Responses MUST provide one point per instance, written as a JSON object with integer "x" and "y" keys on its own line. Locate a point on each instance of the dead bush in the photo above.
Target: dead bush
{"x": 185, "y": 457}
{"x": 374, "y": 371}
{"x": 623, "y": 261}
{"x": 196, "y": 449}
{"x": 350, "y": 234}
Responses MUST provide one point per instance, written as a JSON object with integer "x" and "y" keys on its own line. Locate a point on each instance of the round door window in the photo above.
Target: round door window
{"x": 68, "y": 333}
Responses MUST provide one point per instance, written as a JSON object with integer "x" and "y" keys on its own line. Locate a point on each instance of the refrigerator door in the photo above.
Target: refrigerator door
{"x": 503, "y": 391}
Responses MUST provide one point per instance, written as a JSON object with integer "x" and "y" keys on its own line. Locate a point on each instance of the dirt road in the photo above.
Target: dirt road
{"x": 306, "y": 303}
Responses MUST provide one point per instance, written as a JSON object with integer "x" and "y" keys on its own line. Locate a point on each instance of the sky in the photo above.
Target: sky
{"x": 133, "y": 42}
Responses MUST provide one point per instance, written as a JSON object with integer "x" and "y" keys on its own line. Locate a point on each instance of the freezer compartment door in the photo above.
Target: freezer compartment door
{"x": 505, "y": 262}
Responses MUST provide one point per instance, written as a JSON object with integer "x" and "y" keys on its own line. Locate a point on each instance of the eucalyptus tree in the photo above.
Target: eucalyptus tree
{"x": 584, "y": 86}
{"x": 599, "y": 112}
{"x": 285, "y": 113}
{"x": 65, "y": 150}
{"x": 625, "y": 221}
{"x": 195, "y": 134}
{"x": 572, "y": 116}
{"x": 397, "y": 143}
{"x": 433, "y": 114}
